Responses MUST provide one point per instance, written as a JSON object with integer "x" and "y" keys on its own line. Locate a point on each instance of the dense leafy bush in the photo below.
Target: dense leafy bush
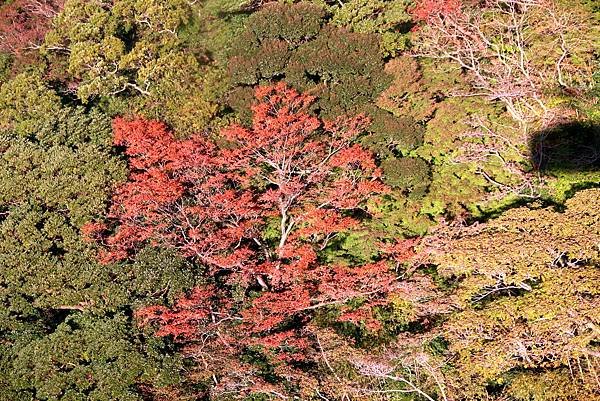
{"x": 344, "y": 69}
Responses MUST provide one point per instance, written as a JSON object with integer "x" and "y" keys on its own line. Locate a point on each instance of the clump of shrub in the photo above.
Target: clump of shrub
{"x": 344, "y": 69}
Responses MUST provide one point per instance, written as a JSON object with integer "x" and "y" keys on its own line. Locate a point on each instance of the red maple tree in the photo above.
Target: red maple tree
{"x": 179, "y": 195}
{"x": 218, "y": 204}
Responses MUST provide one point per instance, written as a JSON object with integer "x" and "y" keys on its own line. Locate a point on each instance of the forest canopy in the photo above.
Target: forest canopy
{"x": 299, "y": 200}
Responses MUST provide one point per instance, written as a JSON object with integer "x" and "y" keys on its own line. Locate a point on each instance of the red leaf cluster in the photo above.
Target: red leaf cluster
{"x": 24, "y": 23}
{"x": 425, "y": 10}
{"x": 179, "y": 195}
{"x": 214, "y": 204}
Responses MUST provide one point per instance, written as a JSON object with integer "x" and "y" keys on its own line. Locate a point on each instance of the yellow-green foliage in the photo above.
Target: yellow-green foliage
{"x": 528, "y": 296}
{"x": 97, "y": 54}
{"x": 537, "y": 235}
{"x": 557, "y": 385}
{"x": 132, "y": 48}
{"x": 385, "y": 17}
{"x": 476, "y": 153}
{"x": 581, "y": 37}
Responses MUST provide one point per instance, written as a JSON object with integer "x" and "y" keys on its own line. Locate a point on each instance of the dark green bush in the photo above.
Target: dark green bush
{"x": 406, "y": 173}
{"x": 293, "y": 23}
{"x": 391, "y": 135}
{"x": 291, "y": 42}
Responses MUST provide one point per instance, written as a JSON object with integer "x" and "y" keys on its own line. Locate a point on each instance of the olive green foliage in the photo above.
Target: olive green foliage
{"x": 293, "y": 24}
{"x": 391, "y": 135}
{"x": 214, "y": 28}
{"x": 406, "y": 173}
{"x": 459, "y": 158}
{"x": 55, "y": 157}
{"x": 346, "y": 67}
{"x": 594, "y": 7}
{"x": 358, "y": 247}
{"x": 389, "y": 18}
{"x": 399, "y": 215}
{"x": 85, "y": 358}
{"x": 392, "y": 139}
{"x": 62, "y": 329}
{"x": 132, "y": 49}
{"x": 418, "y": 86}
{"x": 5, "y": 66}
{"x": 211, "y": 33}
{"x": 528, "y": 300}
{"x": 550, "y": 385}
{"x": 24, "y": 101}
{"x": 343, "y": 69}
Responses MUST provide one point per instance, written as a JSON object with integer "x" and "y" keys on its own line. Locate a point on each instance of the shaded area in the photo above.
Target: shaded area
{"x": 574, "y": 146}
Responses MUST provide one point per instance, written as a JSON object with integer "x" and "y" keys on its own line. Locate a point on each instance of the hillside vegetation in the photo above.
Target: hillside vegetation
{"x": 299, "y": 200}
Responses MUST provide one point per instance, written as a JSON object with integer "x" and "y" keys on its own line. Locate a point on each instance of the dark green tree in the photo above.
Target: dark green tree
{"x": 65, "y": 326}
{"x": 344, "y": 69}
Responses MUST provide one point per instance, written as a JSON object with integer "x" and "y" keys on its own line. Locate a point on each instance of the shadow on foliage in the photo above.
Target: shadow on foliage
{"x": 574, "y": 146}
{"x": 245, "y": 9}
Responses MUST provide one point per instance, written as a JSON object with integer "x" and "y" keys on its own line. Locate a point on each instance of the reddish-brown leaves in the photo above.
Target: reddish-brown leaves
{"x": 213, "y": 204}
{"x": 182, "y": 321}
{"x": 424, "y": 10}
{"x": 178, "y": 195}
{"x": 308, "y": 164}
{"x": 24, "y": 23}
